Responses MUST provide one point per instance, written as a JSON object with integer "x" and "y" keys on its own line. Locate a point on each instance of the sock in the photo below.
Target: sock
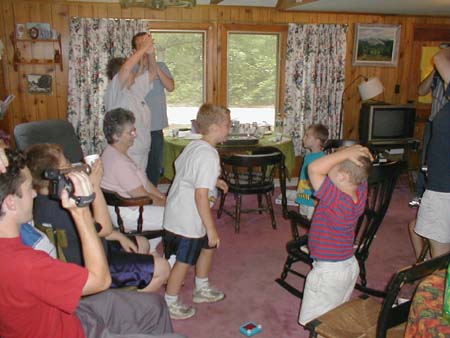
{"x": 154, "y": 243}
{"x": 201, "y": 283}
{"x": 170, "y": 299}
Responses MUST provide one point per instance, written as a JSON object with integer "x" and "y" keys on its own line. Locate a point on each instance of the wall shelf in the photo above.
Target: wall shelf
{"x": 21, "y": 44}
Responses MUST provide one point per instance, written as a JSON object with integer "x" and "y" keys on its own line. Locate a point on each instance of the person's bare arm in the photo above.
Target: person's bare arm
{"x": 126, "y": 243}
{"x": 221, "y": 184}
{"x": 99, "y": 277}
{"x": 152, "y": 192}
{"x": 442, "y": 63}
{"x": 166, "y": 80}
{"x": 319, "y": 169}
{"x": 202, "y": 202}
{"x": 99, "y": 206}
{"x": 425, "y": 85}
{"x": 155, "y": 70}
{"x": 3, "y": 160}
{"x": 126, "y": 71}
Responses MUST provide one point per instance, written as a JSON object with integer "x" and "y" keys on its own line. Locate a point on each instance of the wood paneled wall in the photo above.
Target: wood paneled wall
{"x": 28, "y": 107}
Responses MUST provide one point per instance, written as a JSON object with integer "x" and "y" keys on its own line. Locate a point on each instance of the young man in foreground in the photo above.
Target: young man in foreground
{"x": 41, "y": 295}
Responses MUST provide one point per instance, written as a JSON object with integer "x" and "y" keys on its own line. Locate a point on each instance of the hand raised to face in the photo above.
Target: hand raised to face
{"x": 145, "y": 42}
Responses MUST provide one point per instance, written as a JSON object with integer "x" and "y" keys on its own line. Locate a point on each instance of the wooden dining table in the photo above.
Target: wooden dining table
{"x": 174, "y": 146}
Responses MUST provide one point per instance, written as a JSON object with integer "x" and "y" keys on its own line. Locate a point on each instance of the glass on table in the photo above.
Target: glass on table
{"x": 260, "y": 131}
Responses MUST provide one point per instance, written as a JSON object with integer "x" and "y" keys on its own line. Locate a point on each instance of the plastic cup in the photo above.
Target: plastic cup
{"x": 175, "y": 133}
{"x": 90, "y": 159}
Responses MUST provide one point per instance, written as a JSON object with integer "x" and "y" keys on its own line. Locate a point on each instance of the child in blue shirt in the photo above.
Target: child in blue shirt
{"x": 314, "y": 140}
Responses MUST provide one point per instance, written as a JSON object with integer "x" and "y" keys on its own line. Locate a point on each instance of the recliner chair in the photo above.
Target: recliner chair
{"x": 50, "y": 131}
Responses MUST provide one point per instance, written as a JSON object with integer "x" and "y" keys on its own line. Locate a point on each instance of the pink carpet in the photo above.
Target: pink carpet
{"x": 248, "y": 263}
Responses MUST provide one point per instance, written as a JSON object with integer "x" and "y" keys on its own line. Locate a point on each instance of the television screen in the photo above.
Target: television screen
{"x": 383, "y": 123}
{"x": 388, "y": 124}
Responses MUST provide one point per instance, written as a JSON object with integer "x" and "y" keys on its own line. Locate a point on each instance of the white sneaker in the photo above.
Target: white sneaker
{"x": 207, "y": 294}
{"x": 178, "y": 310}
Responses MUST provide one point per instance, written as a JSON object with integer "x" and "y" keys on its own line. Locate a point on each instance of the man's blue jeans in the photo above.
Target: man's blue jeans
{"x": 155, "y": 157}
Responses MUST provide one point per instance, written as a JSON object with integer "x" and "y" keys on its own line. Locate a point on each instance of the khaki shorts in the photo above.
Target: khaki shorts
{"x": 433, "y": 217}
{"x": 328, "y": 285}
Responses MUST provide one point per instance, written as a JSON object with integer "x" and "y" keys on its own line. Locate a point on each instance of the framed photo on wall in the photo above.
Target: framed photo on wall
{"x": 376, "y": 45}
{"x": 39, "y": 84}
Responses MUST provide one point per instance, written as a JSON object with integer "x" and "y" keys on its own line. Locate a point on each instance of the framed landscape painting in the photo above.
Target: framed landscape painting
{"x": 39, "y": 84}
{"x": 376, "y": 45}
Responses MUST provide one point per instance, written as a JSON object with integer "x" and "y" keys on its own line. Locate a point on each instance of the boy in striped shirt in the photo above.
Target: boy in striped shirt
{"x": 339, "y": 181}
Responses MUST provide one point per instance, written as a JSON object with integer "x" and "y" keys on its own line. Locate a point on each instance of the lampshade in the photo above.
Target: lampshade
{"x": 370, "y": 88}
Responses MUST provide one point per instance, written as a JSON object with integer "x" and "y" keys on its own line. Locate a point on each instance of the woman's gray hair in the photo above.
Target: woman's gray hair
{"x": 115, "y": 121}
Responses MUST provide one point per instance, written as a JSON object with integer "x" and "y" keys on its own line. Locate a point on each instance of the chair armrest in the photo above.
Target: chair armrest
{"x": 113, "y": 198}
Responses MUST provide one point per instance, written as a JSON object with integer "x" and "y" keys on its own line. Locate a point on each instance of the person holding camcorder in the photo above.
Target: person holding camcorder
{"x": 129, "y": 260}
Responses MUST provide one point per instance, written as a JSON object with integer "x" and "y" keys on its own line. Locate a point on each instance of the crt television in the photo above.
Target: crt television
{"x": 386, "y": 124}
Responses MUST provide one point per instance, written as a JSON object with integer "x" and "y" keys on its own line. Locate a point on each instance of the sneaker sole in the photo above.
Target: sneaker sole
{"x": 178, "y": 317}
{"x": 205, "y": 300}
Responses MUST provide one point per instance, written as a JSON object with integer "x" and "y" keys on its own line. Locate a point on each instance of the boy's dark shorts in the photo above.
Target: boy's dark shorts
{"x": 186, "y": 249}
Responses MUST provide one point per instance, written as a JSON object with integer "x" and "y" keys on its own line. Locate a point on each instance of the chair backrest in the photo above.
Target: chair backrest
{"x": 381, "y": 184}
{"x": 249, "y": 171}
{"x": 392, "y": 316}
{"x": 49, "y": 131}
{"x": 282, "y": 174}
{"x": 334, "y": 144}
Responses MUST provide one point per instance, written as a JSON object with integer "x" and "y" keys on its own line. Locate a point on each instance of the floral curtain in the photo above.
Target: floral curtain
{"x": 92, "y": 43}
{"x": 315, "y": 74}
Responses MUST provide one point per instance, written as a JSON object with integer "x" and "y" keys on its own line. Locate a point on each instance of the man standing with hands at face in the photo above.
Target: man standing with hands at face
{"x": 156, "y": 100}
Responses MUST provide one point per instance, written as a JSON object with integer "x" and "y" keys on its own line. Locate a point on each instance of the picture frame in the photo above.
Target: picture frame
{"x": 376, "y": 45}
{"x": 39, "y": 84}
{"x": 20, "y": 31}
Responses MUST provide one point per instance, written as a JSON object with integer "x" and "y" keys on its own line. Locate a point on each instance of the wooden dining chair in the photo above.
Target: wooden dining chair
{"x": 250, "y": 175}
{"x": 115, "y": 200}
{"x": 334, "y": 144}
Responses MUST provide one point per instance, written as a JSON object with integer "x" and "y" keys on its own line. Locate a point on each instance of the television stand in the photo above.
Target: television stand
{"x": 401, "y": 150}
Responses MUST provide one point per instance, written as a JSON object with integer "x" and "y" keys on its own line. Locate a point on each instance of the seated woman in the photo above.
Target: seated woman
{"x": 123, "y": 176}
{"x": 128, "y": 264}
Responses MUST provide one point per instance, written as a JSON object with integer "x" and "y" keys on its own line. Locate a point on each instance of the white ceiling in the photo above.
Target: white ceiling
{"x": 403, "y": 7}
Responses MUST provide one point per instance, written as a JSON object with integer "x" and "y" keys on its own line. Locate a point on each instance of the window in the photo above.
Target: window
{"x": 240, "y": 67}
{"x": 184, "y": 51}
{"x": 251, "y": 84}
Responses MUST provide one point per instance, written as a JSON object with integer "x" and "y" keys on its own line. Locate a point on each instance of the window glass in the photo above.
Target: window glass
{"x": 252, "y": 76}
{"x": 183, "y": 53}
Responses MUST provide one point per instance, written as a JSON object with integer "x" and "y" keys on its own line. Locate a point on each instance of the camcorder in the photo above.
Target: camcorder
{"x": 59, "y": 181}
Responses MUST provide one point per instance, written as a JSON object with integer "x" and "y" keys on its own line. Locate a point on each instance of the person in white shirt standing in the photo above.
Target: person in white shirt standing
{"x": 127, "y": 90}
